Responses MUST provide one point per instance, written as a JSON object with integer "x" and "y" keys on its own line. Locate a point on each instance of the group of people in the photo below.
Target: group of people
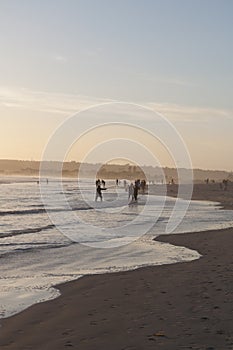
{"x": 132, "y": 188}
{"x": 223, "y": 185}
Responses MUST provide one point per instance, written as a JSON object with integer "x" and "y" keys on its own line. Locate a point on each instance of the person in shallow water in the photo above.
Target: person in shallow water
{"x": 131, "y": 192}
{"x": 135, "y": 193}
{"x": 99, "y": 192}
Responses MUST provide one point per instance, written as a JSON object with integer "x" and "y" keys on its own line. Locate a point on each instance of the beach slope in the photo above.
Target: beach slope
{"x": 181, "y": 306}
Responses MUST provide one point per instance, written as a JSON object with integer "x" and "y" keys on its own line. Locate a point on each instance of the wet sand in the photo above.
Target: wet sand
{"x": 211, "y": 192}
{"x": 171, "y": 307}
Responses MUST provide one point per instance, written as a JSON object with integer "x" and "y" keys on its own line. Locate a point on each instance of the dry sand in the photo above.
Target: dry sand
{"x": 180, "y": 306}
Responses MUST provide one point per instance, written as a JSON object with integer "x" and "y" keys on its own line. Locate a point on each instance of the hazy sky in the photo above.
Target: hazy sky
{"x": 176, "y": 56}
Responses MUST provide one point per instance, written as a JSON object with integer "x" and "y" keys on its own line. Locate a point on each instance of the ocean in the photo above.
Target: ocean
{"x": 44, "y": 242}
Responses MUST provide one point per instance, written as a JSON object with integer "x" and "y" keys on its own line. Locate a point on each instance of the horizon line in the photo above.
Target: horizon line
{"x": 100, "y": 163}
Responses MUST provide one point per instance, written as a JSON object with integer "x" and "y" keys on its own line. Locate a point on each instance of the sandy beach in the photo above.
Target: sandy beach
{"x": 179, "y": 306}
{"x": 201, "y": 191}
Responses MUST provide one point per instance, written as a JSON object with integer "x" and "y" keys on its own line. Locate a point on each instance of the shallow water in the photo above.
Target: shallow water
{"x": 35, "y": 255}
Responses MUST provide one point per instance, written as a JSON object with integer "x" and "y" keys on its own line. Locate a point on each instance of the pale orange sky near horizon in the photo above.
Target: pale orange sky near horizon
{"x": 60, "y": 57}
{"x": 209, "y": 141}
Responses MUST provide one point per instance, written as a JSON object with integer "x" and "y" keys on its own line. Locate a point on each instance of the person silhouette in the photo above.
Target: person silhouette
{"x": 98, "y": 193}
{"x": 130, "y": 191}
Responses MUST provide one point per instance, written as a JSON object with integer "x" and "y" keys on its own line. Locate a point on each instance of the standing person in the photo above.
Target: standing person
{"x": 131, "y": 191}
{"x": 117, "y": 182}
{"x": 138, "y": 183}
{"x": 98, "y": 193}
{"x": 135, "y": 192}
{"x": 225, "y": 183}
{"x": 143, "y": 186}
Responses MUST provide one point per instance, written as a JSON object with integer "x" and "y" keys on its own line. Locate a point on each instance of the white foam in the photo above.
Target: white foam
{"x": 29, "y": 277}
{"x": 33, "y": 264}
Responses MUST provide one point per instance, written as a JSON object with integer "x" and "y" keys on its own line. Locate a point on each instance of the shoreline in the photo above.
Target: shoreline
{"x": 182, "y": 305}
{"x": 201, "y": 192}
{"x": 165, "y": 306}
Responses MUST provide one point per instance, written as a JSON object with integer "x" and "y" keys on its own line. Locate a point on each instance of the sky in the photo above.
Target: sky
{"x": 173, "y": 56}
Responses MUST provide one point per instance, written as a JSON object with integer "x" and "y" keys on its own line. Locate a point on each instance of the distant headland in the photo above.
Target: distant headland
{"x": 108, "y": 171}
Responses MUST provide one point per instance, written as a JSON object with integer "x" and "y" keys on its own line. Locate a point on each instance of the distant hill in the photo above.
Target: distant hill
{"x": 109, "y": 171}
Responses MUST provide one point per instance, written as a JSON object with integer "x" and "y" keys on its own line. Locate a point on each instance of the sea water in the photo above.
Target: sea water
{"x": 36, "y": 254}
